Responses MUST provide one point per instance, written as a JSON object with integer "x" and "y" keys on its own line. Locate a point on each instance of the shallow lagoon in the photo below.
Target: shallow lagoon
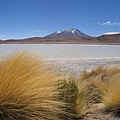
{"x": 63, "y": 51}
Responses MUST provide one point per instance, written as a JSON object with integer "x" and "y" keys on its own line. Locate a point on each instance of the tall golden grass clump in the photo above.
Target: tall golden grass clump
{"x": 103, "y": 83}
{"x": 78, "y": 95}
{"x": 27, "y": 90}
{"x": 88, "y": 95}
{"x": 111, "y": 93}
{"x": 75, "y": 98}
{"x": 68, "y": 93}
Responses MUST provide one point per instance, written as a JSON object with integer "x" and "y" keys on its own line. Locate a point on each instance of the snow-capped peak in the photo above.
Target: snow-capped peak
{"x": 69, "y": 33}
{"x": 72, "y": 30}
{"x": 58, "y": 31}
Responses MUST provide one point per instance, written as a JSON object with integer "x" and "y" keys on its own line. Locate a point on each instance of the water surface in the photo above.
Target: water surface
{"x": 63, "y": 51}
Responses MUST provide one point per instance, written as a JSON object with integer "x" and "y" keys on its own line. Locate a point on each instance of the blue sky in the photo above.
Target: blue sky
{"x": 29, "y": 18}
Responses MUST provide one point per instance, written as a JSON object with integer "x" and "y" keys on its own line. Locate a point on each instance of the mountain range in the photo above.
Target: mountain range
{"x": 71, "y": 36}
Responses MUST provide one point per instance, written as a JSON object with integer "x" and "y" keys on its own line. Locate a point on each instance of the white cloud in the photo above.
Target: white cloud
{"x": 40, "y": 33}
{"x": 111, "y": 33}
{"x": 37, "y": 31}
{"x": 110, "y": 23}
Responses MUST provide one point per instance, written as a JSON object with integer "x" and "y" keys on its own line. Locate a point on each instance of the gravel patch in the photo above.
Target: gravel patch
{"x": 75, "y": 67}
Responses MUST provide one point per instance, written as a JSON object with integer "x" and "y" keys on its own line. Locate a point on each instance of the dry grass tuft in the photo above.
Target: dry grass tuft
{"x": 27, "y": 90}
{"x": 111, "y": 93}
{"x": 103, "y": 84}
{"x": 100, "y": 73}
{"x": 74, "y": 95}
{"x": 88, "y": 94}
{"x": 68, "y": 93}
{"x": 99, "y": 85}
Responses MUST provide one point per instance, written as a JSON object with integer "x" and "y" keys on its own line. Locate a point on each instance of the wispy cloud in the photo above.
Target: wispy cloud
{"x": 40, "y": 33}
{"x": 109, "y": 23}
{"x": 37, "y": 31}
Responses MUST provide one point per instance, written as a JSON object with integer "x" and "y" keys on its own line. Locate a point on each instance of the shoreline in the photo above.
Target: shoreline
{"x": 62, "y": 43}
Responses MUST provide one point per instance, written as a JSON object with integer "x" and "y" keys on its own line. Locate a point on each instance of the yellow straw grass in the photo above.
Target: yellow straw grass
{"x": 111, "y": 93}
{"x": 27, "y": 90}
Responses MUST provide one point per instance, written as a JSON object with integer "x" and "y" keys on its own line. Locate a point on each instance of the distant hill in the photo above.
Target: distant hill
{"x": 0, "y": 41}
{"x": 113, "y": 38}
{"x": 47, "y": 40}
{"x": 71, "y": 36}
{"x": 69, "y": 33}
